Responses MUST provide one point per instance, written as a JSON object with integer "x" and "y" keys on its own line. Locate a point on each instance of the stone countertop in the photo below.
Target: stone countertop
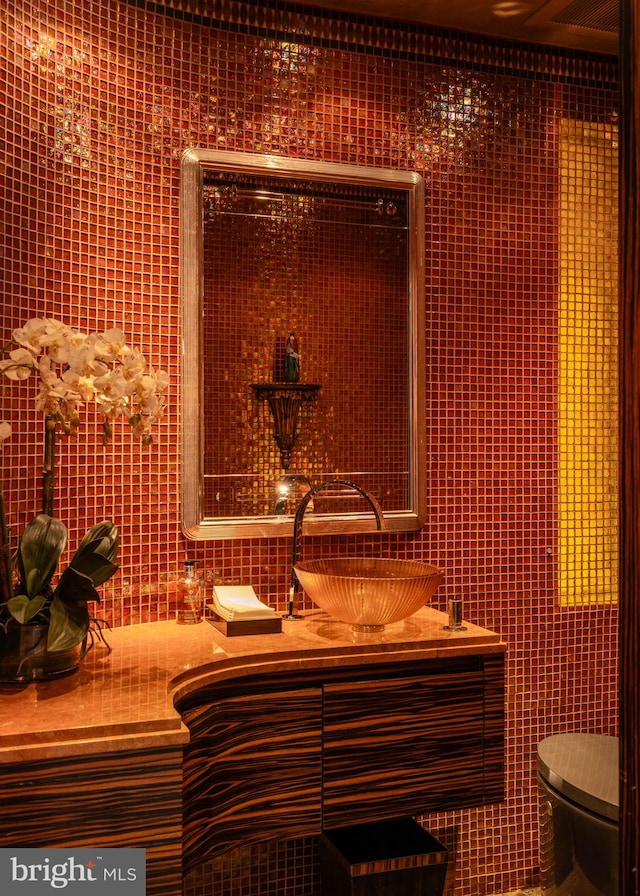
{"x": 124, "y": 699}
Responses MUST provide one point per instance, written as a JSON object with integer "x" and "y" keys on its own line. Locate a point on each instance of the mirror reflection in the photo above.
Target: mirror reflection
{"x": 302, "y": 311}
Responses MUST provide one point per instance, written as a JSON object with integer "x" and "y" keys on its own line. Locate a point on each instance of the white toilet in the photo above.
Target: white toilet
{"x": 579, "y": 788}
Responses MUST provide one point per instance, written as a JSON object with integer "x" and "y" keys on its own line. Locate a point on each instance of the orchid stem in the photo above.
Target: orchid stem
{"x": 6, "y": 578}
{"x": 48, "y": 470}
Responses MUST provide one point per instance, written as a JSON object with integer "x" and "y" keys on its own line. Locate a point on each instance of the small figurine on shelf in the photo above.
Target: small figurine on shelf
{"x": 292, "y": 360}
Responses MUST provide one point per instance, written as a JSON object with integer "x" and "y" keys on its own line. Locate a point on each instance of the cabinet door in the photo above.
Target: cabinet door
{"x": 119, "y": 798}
{"x": 403, "y": 746}
{"x": 252, "y": 771}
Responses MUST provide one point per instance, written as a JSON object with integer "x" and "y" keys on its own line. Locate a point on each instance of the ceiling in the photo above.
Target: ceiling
{"x": 590, "y": 25}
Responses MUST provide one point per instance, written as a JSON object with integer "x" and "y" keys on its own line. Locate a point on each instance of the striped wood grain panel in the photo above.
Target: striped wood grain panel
{"x": 410, "y": 746}
{"x": 252, "y": 771}
{"x": 493, "y": 768}
{"x": 110, "y": 800}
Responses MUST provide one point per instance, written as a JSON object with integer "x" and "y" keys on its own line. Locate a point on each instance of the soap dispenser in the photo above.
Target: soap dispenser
{"x": 189, "y": 609}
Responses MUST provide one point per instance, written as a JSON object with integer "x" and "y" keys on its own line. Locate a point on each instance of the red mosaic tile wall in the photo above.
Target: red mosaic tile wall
{"x": 98, "y": 102}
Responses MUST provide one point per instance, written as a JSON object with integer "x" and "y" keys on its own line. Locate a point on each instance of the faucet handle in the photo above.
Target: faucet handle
{"x": 455, "y": 617}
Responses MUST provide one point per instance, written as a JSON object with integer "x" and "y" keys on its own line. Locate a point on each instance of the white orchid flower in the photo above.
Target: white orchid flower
{"x": 147, "y": 385}
{"x": 63, "y": 343}
{"x": 57, "y": 397}
{"x": 77, "y": 367}
{"x": 54, "y": 389}
{"x": 5, "y": 430}
{"x": 111, "y": 409}
{"x": 18, "y": 365}
{"x": 110, "y": 344}
{"x": 82, "y": 357}
{"x": 113, "y": 384}
{"x": 151, "y": 404}
{"x": 133, "y": 364}
{"x": 80, "y": 383}
{"x": 30, "y": 335}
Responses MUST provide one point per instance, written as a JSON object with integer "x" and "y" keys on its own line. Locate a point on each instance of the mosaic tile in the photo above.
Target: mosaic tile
{"x": 98, "y": 103}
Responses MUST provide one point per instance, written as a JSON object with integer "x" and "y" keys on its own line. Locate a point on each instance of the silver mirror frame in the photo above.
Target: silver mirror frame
{"x": 195, "y": 525}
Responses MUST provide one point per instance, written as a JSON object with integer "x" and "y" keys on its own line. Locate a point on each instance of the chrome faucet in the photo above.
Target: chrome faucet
{"x": 294, "y": 586}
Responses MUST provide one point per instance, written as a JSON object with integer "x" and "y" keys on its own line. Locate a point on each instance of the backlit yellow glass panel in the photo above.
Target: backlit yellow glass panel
{"x": 588, "y": 367}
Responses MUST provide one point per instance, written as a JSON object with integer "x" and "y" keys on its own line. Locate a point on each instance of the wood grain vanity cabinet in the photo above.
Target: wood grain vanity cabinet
{"x": 89, "y": 796}
{"x": 252, "y": 771}
{"x": 406, "y": 745}
{"x": 189, "y": 744}
{"x": 356, "y": 744}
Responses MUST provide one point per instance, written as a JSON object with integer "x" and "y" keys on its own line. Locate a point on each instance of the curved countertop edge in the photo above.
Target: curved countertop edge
{"x": 125, "y": 699}
{"x": 187, "y": 683}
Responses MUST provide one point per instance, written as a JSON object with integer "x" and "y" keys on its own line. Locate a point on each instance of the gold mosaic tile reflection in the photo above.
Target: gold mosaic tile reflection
{"x": 587, "y": 364}
{"x": 329, "y": 264}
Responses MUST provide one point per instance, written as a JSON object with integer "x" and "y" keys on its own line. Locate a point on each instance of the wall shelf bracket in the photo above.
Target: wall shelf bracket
{"x": 285, "y": 401}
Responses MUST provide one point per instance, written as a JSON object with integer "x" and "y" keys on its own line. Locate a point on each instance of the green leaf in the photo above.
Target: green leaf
{"x": 96, "y": 568}
{"x": 107, "y": 534}
{"x": 97, "y": 552}
{"x": 23, "y": 609}
{"x": 70, "y": 619}
{"x": 42, "y": 542}
{"x": 69, "y": 625}
{"x": 74, "y": 588}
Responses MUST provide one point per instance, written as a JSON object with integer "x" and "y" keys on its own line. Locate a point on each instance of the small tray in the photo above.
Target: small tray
{"x": 245, "y": 626}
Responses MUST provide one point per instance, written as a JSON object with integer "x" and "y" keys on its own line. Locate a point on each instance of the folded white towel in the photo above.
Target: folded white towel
{"x": 232, "y": 602}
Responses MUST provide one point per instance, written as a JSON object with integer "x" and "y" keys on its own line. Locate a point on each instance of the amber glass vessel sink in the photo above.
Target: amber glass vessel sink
{"x": 366, "y": 592}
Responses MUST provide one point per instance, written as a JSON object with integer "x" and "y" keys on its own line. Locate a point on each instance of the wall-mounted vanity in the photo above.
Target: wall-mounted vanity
{"x": 334, "y": 254}
{"x": 190, "y": 744}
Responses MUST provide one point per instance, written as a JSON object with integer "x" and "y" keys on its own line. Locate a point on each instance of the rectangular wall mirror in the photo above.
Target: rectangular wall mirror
{"x": 333, "y": 254}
